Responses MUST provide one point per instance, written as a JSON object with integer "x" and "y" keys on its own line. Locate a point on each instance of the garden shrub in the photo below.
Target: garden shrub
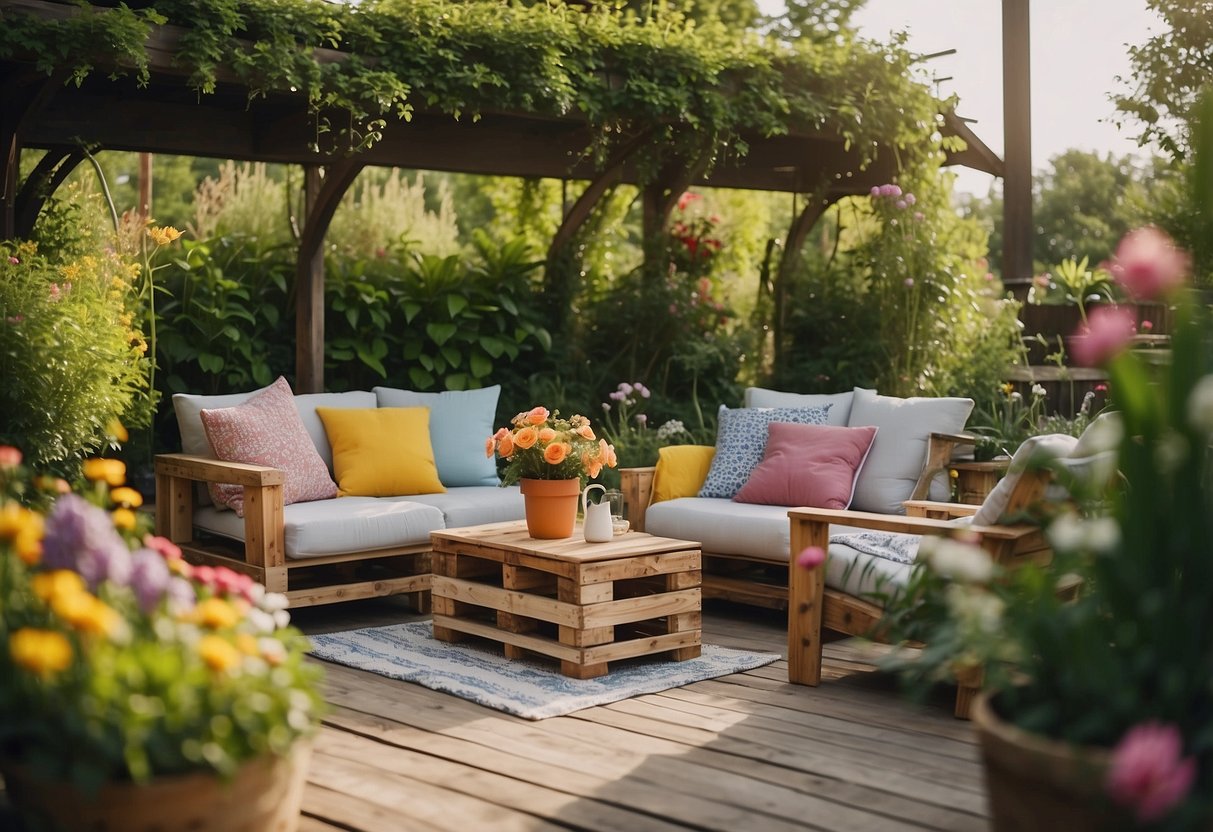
{"x": 72, "y": 361}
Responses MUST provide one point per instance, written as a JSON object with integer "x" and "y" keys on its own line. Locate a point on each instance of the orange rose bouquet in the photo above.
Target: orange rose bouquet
{"x": 542, "y": 446}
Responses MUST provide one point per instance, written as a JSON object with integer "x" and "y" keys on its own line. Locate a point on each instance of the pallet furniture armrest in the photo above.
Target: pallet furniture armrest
{"x": 264, "y": 546}
{"x": 940, "y": 449}
{"x": 942, "y": 511}
{"x": 637, "y": 487}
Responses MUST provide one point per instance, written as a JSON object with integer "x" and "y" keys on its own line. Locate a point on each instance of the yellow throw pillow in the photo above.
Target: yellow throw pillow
{"x": 681, "y": 470}
{"x": 381, "y": 451}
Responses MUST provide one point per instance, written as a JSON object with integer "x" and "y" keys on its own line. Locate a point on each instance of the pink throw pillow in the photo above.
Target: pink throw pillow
{"x": 808, "y": 465}
{"x": 266, "y": 430}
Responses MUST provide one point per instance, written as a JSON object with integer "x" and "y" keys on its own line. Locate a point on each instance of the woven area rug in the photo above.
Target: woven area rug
{"x": 523, "y": 688}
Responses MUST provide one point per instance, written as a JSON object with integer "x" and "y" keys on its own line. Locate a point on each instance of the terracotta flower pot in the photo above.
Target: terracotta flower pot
{"x": 265, "y": 794}
{"x": 551, "y": 507}
{"x": 1039, "y": 784}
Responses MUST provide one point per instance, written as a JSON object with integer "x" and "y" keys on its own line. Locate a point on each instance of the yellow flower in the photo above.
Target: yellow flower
{"x": 22, "y": 528}
{"x": 111, "y": 471}
{"x": 1008, "y": 389}
{"x": 44, "y": 652}
{"x": 246, "y": 643}
{"x": 163, "y": 235}
{"x": 116, "y": 430}
{"x": 50, "y": 585}
{"x": 218, "y": 653}
{"x": 124, "y": 518}
{"x": 86, "y": 613}
{"x": 216, "y": 614}
{"x": 128, "y": 497}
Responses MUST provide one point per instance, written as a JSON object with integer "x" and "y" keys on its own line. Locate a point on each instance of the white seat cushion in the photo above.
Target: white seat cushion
{"x": 723, "y": 527}
{"x": 473, "y": 505}
{"x": 338, "y": 526}
{"x": 860, "y": 574}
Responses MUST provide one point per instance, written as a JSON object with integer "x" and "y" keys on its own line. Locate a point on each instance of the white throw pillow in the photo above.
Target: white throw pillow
{"x": 1036, "y": 450}
{"x": 900, "y": 449}
{"x": 839, "y": 403}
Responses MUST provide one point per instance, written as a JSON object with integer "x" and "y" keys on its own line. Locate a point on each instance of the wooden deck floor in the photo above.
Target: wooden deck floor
{"x": 739, "y": 753}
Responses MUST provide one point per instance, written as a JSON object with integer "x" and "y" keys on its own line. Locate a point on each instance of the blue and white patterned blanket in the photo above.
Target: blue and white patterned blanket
{"x": 899, "y": 548}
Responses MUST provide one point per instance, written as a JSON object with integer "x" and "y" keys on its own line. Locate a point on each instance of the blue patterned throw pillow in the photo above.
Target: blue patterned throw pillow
{"x": 741, "y": 440}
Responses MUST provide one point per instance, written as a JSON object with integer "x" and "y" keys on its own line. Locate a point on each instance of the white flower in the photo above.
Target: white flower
{"x": 1103, "y": 534}
{"x": 1038, "y": 390}
{"x": 1070, "y": 533}
{"x": 1170, "y": 452}
{"x": 1066, "y": 533}
{"x": 969, "y": 605}
{"x": 274, "y": 601}
{"x": 1200, "y": 405}
{"x": 957, "y": 561}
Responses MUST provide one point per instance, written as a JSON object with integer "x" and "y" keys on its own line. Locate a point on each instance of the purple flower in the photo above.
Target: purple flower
{"x": 1147, "y": 774}
{"x": 81, "y": 537}
{"x": 641, "y": 390}
{"x": 181, "y": 594}
{"x": 909, "y": 282}
{"x": 149, "y": 578}
{"x": 617, "y": 396}
{"x": 890, "y": 190}
{"x": 901, "y": 204}
{"x": 910, "y": 199}
{"x": 875, "y": 191}
{"x": 642, "y": 419}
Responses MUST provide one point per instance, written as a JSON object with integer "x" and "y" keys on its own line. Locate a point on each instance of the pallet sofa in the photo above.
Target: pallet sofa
{"x": 322, "y": 551}
{"x": 745, "y": 545}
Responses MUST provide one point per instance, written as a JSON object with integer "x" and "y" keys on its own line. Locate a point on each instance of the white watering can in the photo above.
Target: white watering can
{"x": 597, "y": 528}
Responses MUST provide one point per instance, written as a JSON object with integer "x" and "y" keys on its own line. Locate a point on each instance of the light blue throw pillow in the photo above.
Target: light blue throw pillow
{"x": 460, "y": 421}
{"x": 741, "y": 440}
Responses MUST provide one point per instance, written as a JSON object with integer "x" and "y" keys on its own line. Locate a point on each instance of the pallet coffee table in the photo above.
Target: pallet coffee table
{"x": 585, "y": 604}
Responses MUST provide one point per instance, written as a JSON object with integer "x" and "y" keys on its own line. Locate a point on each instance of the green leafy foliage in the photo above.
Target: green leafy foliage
{"x": 362, "y": 65}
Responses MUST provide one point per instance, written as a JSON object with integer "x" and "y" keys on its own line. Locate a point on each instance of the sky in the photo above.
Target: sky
{"x": 1078, "y": 49}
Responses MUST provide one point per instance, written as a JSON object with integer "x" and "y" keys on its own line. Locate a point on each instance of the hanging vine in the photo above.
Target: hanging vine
{"x": 362, "y": 67}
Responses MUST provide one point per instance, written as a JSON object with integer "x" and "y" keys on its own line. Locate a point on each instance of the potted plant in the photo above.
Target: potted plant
{"x": 1098, "y": 710}
{"x": 137, "y": 691}
{"x": 550, "y": 458}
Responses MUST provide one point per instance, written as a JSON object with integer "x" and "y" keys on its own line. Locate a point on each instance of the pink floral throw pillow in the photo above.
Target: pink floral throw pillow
{"x": 266, "y": 430}
{"x": 808, "y": 465}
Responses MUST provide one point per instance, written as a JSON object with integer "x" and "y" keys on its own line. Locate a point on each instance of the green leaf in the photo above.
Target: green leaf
{"x": 480, "y": 365}
{"x": 453, "y": 356}
{"x": 440, "y": 333}
{"x": 421, "y": 379}
{"x": 456, "y": 304}
{"x": 210, "y": 362}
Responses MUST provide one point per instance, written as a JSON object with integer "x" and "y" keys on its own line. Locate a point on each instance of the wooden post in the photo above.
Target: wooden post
{"x": 1017, "y": 136}
{"x": 322, "y": 195}
{"x": 145, "y": 186}
{"x": 309, "y": 295}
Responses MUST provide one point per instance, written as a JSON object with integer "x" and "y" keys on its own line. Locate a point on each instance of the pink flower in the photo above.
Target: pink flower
{"x": 811, "y": 557}
{"x": 909, "y": 282}
{"x": 10, "y": 457}
{"x": 1147, "y": 773}
{"x": 1106, "y": 332}
{"x": 13, "y": 261}
{"x": 901, "y": 204}
{"x": 1147, "y": 326}
{"x": 1148, "y": 263}
{"x": 875, "y": 190}
{"x": 890, "y": 190}
{"x": 686, "y": 199}
{"x": 1101, "y": 388}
